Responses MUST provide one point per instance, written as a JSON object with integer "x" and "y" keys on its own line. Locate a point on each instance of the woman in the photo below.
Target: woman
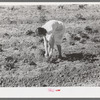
{"x": 52, "y": 33}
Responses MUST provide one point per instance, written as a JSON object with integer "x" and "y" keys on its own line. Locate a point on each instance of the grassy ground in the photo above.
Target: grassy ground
{"x": 22, "y": 61}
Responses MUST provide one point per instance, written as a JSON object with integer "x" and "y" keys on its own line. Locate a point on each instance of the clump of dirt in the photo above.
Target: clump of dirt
{"x": 75, "y": 37}
{"x": 32, "y": 63}
{"x": 30, "y": 33}
{"x": 39, "y": 7}
{"x": 9, "y": 66}
{"x": 80, "y": 17}
{"x": 83, "y": 35}
{"x": 82, "y": 6}
{"x": 9, "y": 59}
{"x": 88, "y": 29}
{"x": 6, "y": 35}
{"x": 1, "y": 50}
{"x": 34, "y": 47}
{"x": 96, "y": 39}
{"x": 10, "y": 63}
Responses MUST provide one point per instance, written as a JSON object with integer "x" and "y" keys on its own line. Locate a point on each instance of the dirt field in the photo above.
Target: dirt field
{"x": 22, "y": 62}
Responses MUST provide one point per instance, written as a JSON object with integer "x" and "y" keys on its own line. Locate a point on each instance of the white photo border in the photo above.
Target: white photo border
{"x": 49, "y": 92}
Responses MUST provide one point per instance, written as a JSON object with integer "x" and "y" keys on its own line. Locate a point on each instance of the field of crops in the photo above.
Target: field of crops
{"x": 22, "y": 61}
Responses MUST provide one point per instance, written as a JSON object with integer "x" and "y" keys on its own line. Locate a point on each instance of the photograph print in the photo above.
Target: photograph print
{"x": 56, "y": 45}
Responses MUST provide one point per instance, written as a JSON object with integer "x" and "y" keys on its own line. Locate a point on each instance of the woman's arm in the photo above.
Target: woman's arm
{"x": 46, "y": 47}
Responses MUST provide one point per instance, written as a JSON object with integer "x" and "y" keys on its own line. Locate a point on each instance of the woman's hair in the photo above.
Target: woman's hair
{"x": 40, "y": 31}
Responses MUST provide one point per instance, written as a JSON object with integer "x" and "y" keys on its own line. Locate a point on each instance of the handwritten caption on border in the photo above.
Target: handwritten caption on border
{"x": 53, "y": 90}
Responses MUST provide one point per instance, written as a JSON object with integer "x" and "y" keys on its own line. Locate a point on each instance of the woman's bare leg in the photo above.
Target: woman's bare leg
{"x": 59, "y": 50}
{"x": 46, "y": 47}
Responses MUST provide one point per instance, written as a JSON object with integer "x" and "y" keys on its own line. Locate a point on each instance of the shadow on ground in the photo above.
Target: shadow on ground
{"x": 77, "y": 56}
